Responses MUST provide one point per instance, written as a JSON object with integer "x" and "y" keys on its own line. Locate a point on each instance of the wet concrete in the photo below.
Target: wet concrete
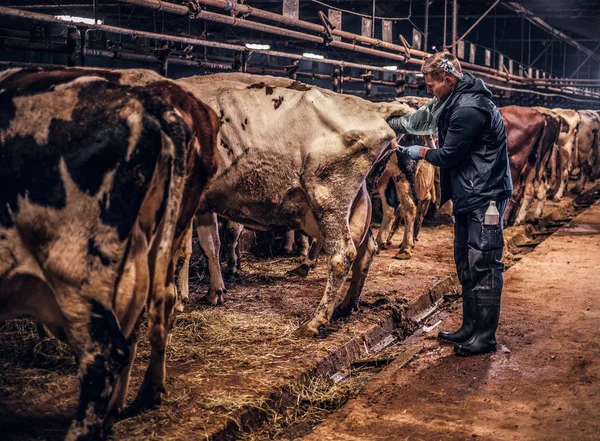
{"x": 542, "y": 384}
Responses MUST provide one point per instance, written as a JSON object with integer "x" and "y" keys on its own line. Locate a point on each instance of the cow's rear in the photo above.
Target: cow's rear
{"x": 91, "y": 187}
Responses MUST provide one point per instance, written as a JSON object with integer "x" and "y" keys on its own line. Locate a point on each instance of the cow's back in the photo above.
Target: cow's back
{"x": 277, "y": 134}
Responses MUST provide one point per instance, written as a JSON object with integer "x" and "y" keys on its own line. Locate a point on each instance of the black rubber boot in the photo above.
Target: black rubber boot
{"x": 467, "y": 329}
{"x": 488, "y": 314}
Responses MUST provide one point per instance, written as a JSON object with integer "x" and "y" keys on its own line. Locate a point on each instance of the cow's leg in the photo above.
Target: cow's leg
{"x": 409, "y": 213}
{"x": 333, "y": 224}
{"x": 422, "y": 209}
{"x": 182, "y": 268}
{"x": 367, "y": 247}
{"x": 129, "y": 304}
{"x": 153, "y": 387}
{"x": 208, "y": 236}
{"x": 584, "y": 173}
{"x": 527, "y": 199}
{"x": 310, "y": 260}
{"x": 303, "y": 244}
{"x": 541, "y": 194}
{"x": 102, "y": 352}
{"x": 234, "y": 267}
{"x": 396, "y": 225}
{"x": 388, "y": 209}
{"x": 288, "y": 246}
{"x": 563, "y": 176}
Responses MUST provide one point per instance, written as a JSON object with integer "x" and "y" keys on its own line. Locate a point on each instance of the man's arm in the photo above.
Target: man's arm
{"x": 421, "y": 122}
{"x": 465, "y": 126}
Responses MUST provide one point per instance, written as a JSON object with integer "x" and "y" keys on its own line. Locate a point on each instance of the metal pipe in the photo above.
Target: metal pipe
{"x": 454, "y": 25}
{"x": 122, "y": 55}
{"x": 246, "y": 11}
{"x": 426, "y": 36}
{"x": 491, "y": 73}
{"x": 189, "y": 40}
{"x": 246, "y": 24}
{"x": 8, "y": 43}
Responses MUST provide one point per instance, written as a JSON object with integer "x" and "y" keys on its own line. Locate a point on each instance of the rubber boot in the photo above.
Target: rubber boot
{"x": 467, "y": 329}
{"x": 488, "y": 314}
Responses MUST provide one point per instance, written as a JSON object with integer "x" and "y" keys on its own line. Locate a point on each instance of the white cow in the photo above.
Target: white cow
{"x": 295, "y": 156}
{"x": 567, "y": 150}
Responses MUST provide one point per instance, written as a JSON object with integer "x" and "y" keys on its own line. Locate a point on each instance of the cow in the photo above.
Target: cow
{"x": 295, "y": 156}
{"x": 406, "y": 189}
{"x": 530, "y": 141}
{"x": 99, "y": 181}
{"x": 567, "y": 150}
{"x": 586, "y": 147}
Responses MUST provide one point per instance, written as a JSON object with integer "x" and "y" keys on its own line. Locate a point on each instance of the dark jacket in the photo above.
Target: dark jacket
{"x": 473, "y": 156}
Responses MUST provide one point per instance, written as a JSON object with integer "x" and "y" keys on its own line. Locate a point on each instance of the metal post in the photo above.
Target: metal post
{"x": 454, "y": 26}
{"x": 95, "y": 5}
{"x": 425, "y": 37}
{"x": 82, "y": 36}
{"x": 494, "y": 35}
{"x": 71, "y": 46}
{"x": 445, "y": 20}
{"x": 522, "y": 40}
{"x": 373, "y": 22}
{"x": 565, "y": 60}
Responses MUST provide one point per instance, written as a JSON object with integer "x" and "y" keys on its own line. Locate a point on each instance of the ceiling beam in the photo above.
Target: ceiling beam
{"x": 529, "y": 16}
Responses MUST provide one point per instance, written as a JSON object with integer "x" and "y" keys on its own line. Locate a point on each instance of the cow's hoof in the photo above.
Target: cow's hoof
{"x": 301, "y": 271}
{"x": 307, "y": 330}
{"x": 341, "y": 312}
{"x": 212, "y": 299}
{"x": 403, "y": 255}
{"x": 382, "y": 246}
{"x": 179, "y": 307}
{"x": 148, "y": 397}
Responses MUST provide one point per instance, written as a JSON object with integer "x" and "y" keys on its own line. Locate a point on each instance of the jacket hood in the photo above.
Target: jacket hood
{"x": 469, "y": 84}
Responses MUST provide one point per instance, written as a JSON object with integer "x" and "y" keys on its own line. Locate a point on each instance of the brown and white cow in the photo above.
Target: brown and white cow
{"x": 99, "y": 182}
{"x": 586, "y": 148}
{"x": 531, "y": 138}
{"x": 295, "y": 157}
{"x": 567, "y": 150}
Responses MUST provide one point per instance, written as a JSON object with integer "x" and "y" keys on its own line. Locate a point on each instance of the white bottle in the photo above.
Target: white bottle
{"x": 492, "y": 217}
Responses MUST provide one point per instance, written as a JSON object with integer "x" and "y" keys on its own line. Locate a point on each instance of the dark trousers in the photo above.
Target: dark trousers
{"x": 478, "y": 250}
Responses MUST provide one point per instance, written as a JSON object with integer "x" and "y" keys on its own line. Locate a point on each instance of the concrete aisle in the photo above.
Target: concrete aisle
{"x": 542, "y": 384}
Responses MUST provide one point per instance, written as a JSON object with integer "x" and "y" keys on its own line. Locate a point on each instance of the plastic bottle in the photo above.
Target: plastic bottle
{"x": 492, "y": 217}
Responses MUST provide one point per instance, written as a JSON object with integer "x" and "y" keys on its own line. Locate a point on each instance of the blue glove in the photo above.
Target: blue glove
{"x": 413, "y": 151}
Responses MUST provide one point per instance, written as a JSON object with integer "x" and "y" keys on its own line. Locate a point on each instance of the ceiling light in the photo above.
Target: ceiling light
{"x": 90, "y": 21}
{"x": 390, "y": 67}
{"x": 258, "y": 47}
{"x": 419, "y": 75}
{"x": 313, "y": 56}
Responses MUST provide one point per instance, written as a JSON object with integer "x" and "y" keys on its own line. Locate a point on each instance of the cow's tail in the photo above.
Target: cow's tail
{"x": 176, "y": 138}
{"x": 377, "y": 169}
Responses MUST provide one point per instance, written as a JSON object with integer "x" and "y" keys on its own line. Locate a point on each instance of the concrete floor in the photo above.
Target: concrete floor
{"x": 542, "y": 384}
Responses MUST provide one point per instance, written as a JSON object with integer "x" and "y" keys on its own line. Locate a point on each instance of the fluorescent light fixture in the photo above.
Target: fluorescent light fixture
{"x": 390, "y": 67}
{"x": 419, "y": 75}
{"x": 313, "y": 56}
{"x": 78, "y": 19}
{"x": 258, "y": 47}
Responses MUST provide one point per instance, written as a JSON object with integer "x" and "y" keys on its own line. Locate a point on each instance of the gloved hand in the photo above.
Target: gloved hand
{"x": 413, "y": 151}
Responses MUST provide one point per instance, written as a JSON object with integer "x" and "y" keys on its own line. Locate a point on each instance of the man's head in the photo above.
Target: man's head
{"x": 442, "y": 72}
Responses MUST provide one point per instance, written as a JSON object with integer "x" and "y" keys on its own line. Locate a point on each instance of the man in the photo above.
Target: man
{"x": 474, "y": 172}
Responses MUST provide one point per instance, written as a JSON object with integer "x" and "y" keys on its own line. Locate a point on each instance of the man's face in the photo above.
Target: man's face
{"x": 441, "y": 88}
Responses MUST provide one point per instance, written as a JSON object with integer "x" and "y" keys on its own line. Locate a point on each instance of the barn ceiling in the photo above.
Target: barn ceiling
{"x": 502, "y": 30}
